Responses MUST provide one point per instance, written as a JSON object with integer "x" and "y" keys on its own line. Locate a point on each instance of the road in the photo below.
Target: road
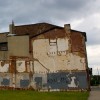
{"x": 94, "y": 93}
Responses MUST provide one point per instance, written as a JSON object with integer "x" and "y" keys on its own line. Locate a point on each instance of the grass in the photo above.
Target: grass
{"x": 31, "y": 95}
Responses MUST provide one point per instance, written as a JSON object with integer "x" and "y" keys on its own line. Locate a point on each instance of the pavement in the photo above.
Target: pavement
{"x": 94, "y": 93}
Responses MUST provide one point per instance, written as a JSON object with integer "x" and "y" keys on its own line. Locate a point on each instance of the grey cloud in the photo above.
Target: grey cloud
{"x": 93, "y": 36}
{"x": 53, "y": 11}
{"x": 66, "y": 4}
{"x": 2, "y": 3}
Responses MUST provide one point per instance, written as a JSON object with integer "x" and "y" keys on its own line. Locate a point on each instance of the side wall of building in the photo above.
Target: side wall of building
{"x": 53, "y": 52}
{"x": 3, "y": 46}
{"x": 18, "y": 46}
{"x": 58, "y": 63}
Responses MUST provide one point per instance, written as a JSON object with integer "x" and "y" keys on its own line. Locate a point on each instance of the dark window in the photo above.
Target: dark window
{"x": 5, "y": 82}
{"x": 24, "y": 83}
{"x": 3, "y": 46}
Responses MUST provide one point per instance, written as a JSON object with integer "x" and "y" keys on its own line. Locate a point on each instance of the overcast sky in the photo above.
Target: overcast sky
{"x": 83, "y": 15}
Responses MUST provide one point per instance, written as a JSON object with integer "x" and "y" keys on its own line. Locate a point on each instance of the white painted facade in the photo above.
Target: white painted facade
{"x": 4, "y": 67}
{"x": 20, "y": 66}
{"x": 23, "y": 65}
{"x": 53, "y": 55}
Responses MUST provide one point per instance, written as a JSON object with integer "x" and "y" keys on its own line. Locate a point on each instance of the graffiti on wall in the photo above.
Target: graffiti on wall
{"x": 47, "y": 81}
{"x": 67, "y": 80}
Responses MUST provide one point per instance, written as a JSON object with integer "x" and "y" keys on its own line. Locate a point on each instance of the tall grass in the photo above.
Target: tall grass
{"x": 31, "y": 95}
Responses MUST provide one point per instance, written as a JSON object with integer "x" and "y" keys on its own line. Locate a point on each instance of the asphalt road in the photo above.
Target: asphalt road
{"x": 94, "y": 93}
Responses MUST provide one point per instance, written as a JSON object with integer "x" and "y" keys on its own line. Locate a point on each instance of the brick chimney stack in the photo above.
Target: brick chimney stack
{"x": 67, "y": 28}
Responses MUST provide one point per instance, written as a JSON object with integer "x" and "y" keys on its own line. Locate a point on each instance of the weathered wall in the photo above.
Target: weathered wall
{"x": 18, "y": 46}
{"x": 3, "y": 55}
{"x": 45, "y": 81}
{"x": 16, "y": 65}
{"x": 16, "y": 73}
{"x": 54, "y": 52}
{"x": 3, "y": 52}
{"x": 4, "y": 66}
{"x": 24, "y": 66}
{"x": 67, "y": 80}
{"x": 22, "y": 80}
{"x": 60, "y": 80}
{"x": 77, "y": 42}
{"x": 3, "y": 37}
{"x": 6, "y": 79}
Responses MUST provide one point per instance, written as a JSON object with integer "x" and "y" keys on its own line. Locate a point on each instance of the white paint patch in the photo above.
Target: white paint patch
{"x": 72, "y": 84}
{"x": 4, "y": 68}
{"x": 75, "y": 62}
{"x": 20, "y": 65}
{"x": 62, "y": 44}
{"x": 48, "y": 57}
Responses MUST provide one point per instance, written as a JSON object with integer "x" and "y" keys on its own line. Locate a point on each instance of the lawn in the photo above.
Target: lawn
{"x": 31, "y": 95}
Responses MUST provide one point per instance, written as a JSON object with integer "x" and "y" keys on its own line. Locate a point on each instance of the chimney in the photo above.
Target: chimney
{"x": 67, "y": 28}
{"x": 11, "y": 28}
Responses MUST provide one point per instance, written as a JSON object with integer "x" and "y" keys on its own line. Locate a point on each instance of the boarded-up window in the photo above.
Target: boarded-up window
{"x": 58, "y": 46}
{"x": 52, "y": 47}
{"x": 3, "y": 46}
{"x": 62, "y": 44}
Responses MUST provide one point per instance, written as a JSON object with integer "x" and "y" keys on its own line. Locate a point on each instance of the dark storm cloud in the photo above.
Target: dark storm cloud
{"x": 63, "y": 9}
{"x": 93, "y": 36}
{"x": 65, "y": 4}
{"x": 33, "y": 11}
{"x": 24, "y": 11}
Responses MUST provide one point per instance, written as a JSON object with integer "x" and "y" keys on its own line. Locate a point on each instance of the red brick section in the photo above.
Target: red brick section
{"x": 77, "y": 41}
{"x": 32, "y": 29}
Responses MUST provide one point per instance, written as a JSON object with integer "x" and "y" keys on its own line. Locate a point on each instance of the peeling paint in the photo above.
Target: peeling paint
{"x": 4, "y": 67}
{"x": 53, "y": 61}
{"x": 57, "y": 55}
{"x": 20, "y": 66}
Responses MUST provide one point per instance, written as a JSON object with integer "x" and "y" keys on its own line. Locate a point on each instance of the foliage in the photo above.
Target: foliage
{"x": 95, "y": 80}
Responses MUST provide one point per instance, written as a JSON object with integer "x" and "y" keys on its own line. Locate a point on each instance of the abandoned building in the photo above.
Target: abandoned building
{"x": 43, "y": 56}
